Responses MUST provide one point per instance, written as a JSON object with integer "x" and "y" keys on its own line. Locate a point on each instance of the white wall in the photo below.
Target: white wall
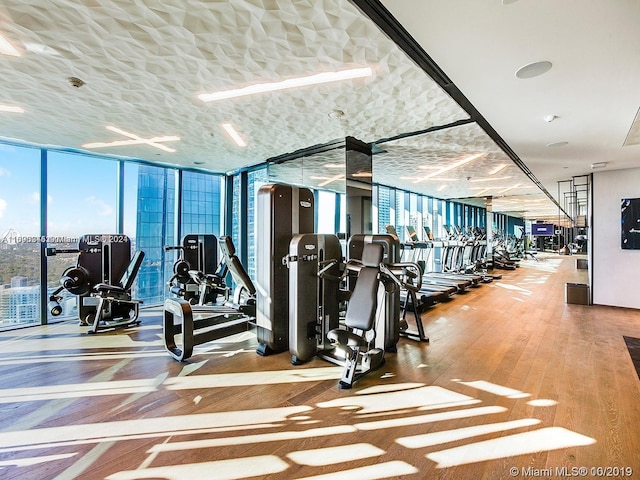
{"x": 616, "y": 272}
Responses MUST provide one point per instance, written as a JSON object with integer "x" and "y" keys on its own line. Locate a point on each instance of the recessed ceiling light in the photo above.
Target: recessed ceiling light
{"x": 598, "y": 165}
{"x": 198, "y": 162}
{"x": 135, "y": 140}
{"x": 557, "y": 144}
{"x": 336, "y": 114}
{"x": 508, "y": 2}
{"x": 7, "y": 49}
{"x": 533, "y": 69}
{"x": 549, "y": 118}
{"x": 235, "y": 136}
{"x": 11, "y": 109}
{"x": 316, "y": 79}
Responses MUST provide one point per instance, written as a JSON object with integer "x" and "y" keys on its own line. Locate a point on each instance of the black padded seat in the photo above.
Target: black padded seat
{"x": 345, "y": 337}
{"x": 106, "y": 288}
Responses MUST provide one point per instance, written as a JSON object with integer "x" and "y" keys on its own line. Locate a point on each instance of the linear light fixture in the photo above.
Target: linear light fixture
{"x": 328, "y": 180}
{"x": 319, "y": 78}
{"x": 362, "y": 175}
{"x": 451, "y": 167}
{"x": 7, "y": 49}
{"x": 488, "y": 179}
{"x": 11, "y": 109}
{"x": 235, "y": 136}
{"x": 498, "y": 169}
{"x": 518, "y": 185}
{"x": 134, "y": 140}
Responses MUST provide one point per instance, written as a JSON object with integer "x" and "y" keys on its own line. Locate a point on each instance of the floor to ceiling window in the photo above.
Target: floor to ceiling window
{"x": 19, "y": 236}
{"x": 82, "y": 199}
{"x": 200, "y": 203}
{"x": 149, "y": 220}
{"x": 255, "y": 180}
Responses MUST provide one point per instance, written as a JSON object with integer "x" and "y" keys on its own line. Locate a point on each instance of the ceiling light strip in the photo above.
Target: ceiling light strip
{"x": 451, "y": 167}
{"x": 7, "y": 49}
{"x": 11, "y": 109}
{"x": 316, "y": 79}
{"x": 488, "y": 179}
{"x": 330, "y": 180}
{"x": 134, "y": 140}
{"x": 498, "y": 169}
{"x": 235, "y": 136}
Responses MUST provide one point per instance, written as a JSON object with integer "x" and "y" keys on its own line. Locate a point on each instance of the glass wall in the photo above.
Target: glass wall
{"x": 19, "y": 236}
{"x": 82, "y": 199}
{"x": 83, "y": 195}
{"x": 255, "y": 180}
{"x": 200, "y": 203}
{"x": 155, "y": 202}
{"x": 326, "y": 211}
{"x": 401, "y": 208}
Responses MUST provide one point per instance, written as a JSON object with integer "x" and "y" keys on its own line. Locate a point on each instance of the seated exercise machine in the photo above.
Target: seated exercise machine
{"x": 319, "y": 283}
{"x": 363, "y": 351}
{"x": 102, "y": 280}
{"x": 197, "y": 275}
{"x": 200, "y": 324}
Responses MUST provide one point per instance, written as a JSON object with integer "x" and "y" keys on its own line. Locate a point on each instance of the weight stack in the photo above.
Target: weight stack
{"x": 282, "y": 211}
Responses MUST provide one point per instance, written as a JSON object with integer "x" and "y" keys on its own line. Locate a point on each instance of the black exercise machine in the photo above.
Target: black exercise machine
{"x": 200, "y": 324}
{"x": 357, "y": 338}
{"x": 282, "y": 211}
{"x": 197, "y": 275}
{"x": 102, "y": 280}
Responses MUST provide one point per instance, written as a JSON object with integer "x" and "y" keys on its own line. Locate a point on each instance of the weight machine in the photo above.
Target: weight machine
{"x": 102, "y": 280}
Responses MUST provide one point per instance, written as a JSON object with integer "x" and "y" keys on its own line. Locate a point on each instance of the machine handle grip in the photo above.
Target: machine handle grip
{"x": 53, "y": 251}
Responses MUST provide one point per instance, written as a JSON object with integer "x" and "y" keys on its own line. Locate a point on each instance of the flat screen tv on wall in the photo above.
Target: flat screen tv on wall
{"x": 542, "y": 229}
{"x": 630, "y": 220}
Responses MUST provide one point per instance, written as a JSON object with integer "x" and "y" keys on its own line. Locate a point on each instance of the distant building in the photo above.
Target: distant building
{"x": 19, "y": 304}
{"x": 18, "y": 281}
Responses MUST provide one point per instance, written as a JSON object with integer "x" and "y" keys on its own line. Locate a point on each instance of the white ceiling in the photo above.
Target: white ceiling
{"x": 593, "y": 87}
{"x": 145, "y": 62}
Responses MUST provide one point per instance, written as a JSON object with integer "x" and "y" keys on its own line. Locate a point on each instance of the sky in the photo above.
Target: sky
{"x": 81, "y": 197}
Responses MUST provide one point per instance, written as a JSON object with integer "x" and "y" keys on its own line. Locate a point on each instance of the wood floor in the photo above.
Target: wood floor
{"x": 515, "y": 383}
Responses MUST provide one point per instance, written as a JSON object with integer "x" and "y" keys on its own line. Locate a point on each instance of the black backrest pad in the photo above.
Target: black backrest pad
{"x": 130, "y": 274}
{"x": 239, "y": 274}
{"x": 372, "y": 255}
{"x": 227, "y": 247}
{"x": 361, "y": 311}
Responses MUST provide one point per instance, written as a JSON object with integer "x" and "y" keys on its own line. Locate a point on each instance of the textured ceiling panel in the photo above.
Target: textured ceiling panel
{"x": 408, "y": 161}
{"x": 633, "y": 137}
{"x": 144, "y": 62}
